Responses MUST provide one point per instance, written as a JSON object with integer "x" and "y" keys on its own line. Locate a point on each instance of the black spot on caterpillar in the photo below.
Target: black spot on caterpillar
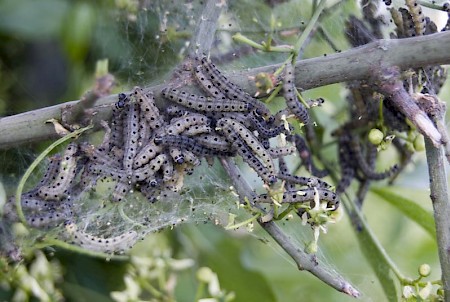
{"x": 203, "y": 104}
{"x": 302, "y": 196}
{"x": 59, "y": 187}
{"x": 290, "y": 94}
{"x": 117, "y": 244}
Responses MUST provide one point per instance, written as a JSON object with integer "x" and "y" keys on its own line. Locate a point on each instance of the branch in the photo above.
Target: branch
{"x": 354, "y": 64}
{"x": 303, "y": 260}
{"x": 441, "y": 207}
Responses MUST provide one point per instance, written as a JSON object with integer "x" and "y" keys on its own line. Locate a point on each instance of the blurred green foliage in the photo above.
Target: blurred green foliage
{"x": 47, "y": 56}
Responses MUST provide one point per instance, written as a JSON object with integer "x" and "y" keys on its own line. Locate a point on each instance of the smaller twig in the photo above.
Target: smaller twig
{"x": 389, "y": 83}
{"x": 303, "y": 260}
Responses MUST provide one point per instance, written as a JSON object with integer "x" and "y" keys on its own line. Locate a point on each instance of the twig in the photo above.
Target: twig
{"x": 441, "y": 207}
{"x": 389, "y": 83}
{"x": 302, "y": 259}
{"x": 204, "y": 35}
{"x": 354, "y": 64}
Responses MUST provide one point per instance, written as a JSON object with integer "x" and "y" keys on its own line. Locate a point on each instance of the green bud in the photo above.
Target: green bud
{"x": 424, "y": 270}
{"x": 375, "y": 136}
{"x": 419, "y": 143}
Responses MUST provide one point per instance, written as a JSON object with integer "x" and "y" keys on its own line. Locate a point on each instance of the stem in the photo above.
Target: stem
{"x": 354, "y": 64}
{"x": 311, "y": 24}
{"x": 441, "y": 207}
{"x": 204, "y": 34}
{"x": 304, "y": 261}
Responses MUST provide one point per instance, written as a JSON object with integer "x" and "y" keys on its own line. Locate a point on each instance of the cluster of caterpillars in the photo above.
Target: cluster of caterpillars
{"x": 150, "y": 150}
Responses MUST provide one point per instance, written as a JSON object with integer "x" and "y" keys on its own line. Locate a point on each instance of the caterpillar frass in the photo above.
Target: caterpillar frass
{"x": 201, "y": 103}
{"x": 117, "y": 244}
{"x": 290, "y": 94}
{"x": 302, "y": 196}
{"x": 60, "y": 186}
{"x": 250, "y": 140}
{"x": 148, "y": 107}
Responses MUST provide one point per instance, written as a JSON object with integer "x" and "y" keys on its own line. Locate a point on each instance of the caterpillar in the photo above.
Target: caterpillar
{"x": 301, "y": 196}
{"x": 60, "y": 186}
{"x": 177, "y": 111}
{"x": 250, "y": 140}
{"x": 51, "y": 218}
{"x": 177, "y": 155}
{"x": 131, "y": 137}
{"x": 364, "y": 167}
{"x": 106, "y": 171}
{"x": 197, "y": 129}
{"x": 305, "y": 155}
{"x": 167, "y": 169}
{"x": 190, "y": 158}
{"x": 121, "y": 189}
{"x": 187, "y": 143}
{"x": 116, "y": 136}
{"x": 214, "y": 142}
{"x": 304, "y": 181}
{"x": 123, "y": 100}
{"x": 283, "y": 170}
{"x": 346, "y": 163}
{"x": 149, "y": 169}
{"x": 417, "y": 16}
{"x": 180, "y": 124}
{"x": 231, "y": 90}
{"x": 247, "y": 153}
{"x": 279, "y": 152}
{"x": 146, "y": 154}
{"x": 290, "y": 94}
{"x": 206, "y": 84}
{"x": 148, "y": 107}
{"x": 176, "y": 181}
{"x": 203, "y": 104}
{"x": 117, "y": 244}
{"x": 263, "y": 129}
{"x": 408, "y": 23}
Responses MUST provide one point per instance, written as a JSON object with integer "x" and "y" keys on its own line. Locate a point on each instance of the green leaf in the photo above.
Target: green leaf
{"x": 408, "y": 207}
{"x": 373, "y": 252}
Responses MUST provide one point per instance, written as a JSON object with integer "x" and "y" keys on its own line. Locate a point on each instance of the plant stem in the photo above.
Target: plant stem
{"x": 354, "y": 64}
{"x": 441, "y": 206}
{"x": 303, "y": 260}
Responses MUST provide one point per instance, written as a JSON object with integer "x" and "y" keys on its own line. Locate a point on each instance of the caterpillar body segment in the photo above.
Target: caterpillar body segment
{"x": 290, "y": 94}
